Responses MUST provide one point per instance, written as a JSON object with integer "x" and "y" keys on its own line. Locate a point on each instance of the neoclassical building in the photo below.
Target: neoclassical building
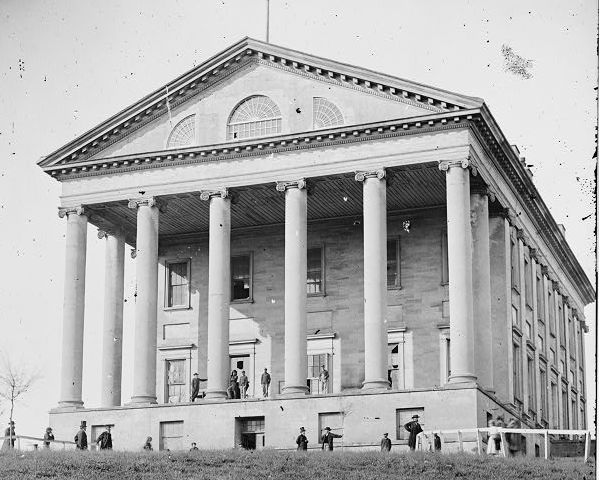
{"x": 291, "y": 212}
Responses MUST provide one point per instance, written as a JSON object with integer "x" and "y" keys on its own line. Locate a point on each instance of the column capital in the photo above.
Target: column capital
{"x": 63, "y": 212}
{"x": 482, "y": 189}
{"x": 135, "y": 203}
{"x": 445, "y": 165}
{"x": 216, "y": 192}
{"x": 362, "y": 175}
{"x": 109, "y": 232}
{"x": 285, "y": 185}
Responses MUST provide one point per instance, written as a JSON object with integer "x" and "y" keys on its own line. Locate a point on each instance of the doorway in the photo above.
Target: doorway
{"x": 250, "y": 433}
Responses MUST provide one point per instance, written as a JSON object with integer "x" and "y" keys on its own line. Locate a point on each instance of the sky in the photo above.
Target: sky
{"x": 67, "y": 66}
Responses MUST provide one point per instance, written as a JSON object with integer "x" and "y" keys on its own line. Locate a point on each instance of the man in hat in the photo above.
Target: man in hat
{"x": 104, "y": 441}
{"x": 327, "y": 439}
{"x": 47, "y": 437}
{"x": 302, "y": 440}
{"x": 385, "y": 443}
{"x": 265, "y": 382}
{"x": 81, "y": 437}
{"x": 195, "y": 387}
{"x": 414, "y": 428}
{"x": 194, "y": 447}
{"x": 9, "y": 432}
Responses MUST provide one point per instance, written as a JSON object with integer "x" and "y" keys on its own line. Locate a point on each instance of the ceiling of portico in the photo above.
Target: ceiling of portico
{"x": 408, "y": 187}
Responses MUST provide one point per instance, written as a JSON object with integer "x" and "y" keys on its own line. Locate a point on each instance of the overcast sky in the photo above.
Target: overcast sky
{"x": 66, "y": 66}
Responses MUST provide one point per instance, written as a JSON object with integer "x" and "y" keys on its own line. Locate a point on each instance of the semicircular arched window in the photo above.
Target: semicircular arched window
{"x": 256, "y": 116}
{"x": 326, "y": 113}
{"x": 184, "y": 133}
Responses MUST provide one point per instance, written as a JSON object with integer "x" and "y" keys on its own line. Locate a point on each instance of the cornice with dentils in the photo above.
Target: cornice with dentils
{"x": 220, "y": 66}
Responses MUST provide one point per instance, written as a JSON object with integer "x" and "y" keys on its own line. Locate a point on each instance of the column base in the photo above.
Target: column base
{"x": 295, "y": 390}
{"x": 463, "y": 378}
{"x": 70, "y": 405}
{"x": 376, "y": 384}
{"x": 142, "y": 400}
{"x": 216, "y": 395}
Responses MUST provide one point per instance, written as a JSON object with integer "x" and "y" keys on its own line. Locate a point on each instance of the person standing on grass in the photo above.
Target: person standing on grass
{"x": 302, "y": 440}
{"x": 104, "y": 441}
{"x": 265, "y": 381}
{"x": 385, "y": 443}
{"x": 327, "y": 439}
{"x": 47, "y": 437}
{"x": 81, "y": 437}
{"x": 414, "y": 428}
{"x": 148, "y": 444}
{"x": 194, "y": 447}
{"x": 9, "y": 432}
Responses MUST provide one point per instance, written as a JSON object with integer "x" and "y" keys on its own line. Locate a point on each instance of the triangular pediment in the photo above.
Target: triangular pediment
{"x": 198, "y": 104}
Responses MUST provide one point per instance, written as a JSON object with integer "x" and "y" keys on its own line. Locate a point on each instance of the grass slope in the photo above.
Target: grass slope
{"x": 247, "y": 465}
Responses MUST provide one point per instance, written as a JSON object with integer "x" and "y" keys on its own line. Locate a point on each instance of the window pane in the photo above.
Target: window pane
{"x": 178, "y": 284}
{"x": 314, "y": 273}
{"x": 240, "y": 277}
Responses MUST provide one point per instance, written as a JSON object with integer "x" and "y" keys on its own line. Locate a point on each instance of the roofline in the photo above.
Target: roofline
{"x": 232, "y": 52}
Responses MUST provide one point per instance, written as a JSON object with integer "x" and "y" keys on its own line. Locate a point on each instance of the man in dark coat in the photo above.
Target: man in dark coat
{"x": 385, "y": 443}
{"x": 81, "y": 437}
{"x": 414, "y": 428}
{"x": 327, "y": 439}
{"x": 302, "y": 440}
{"x": 104, "y": 441}
{"x": 47, "y": 437}
{"x": 9, "y": 432}
{"x": 265, "y": 382}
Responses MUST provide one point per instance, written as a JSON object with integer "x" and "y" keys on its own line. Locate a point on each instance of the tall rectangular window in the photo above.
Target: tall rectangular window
{"x": 515, "y": 263}
{"x": 565, "y": 417}
{"x": 555, "y": 404}
{"x": 562, "y": 360}
{"x": 540, "y": 294}
{"x": 528, "y": 281}
{"x": 241, "y": 277}
{"x": 574, "y": 410}
{"x": 177, "y": 288}
{"x": 517, "y": 370}
{"x": 562, "y": 324}
{"x": 551, "y": 307}
{"x": 176, "y": 385}
{"x": 315, "y": 277}
{"x": 532, "y": 398}
{"x": 393, "y": 263}
{"x": 571, "y": 337}
{"x": 544, "y": 403}
{"x": 515, "y": 316}
{"x": 315, "y": 364}
{"x": 580, "y": 343}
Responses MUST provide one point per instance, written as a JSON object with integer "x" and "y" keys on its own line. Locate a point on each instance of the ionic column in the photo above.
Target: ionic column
{"x": 375, "y": 278}
{"x": 73, "y": 307}
{"x": 144, "y": 354}
{"x": 296, "y": 264}
{"x": 459, "y": 246}
{"x": 481, "y": 286}
{"x": 219, "y": 291}
{"x": 112, "y": 334}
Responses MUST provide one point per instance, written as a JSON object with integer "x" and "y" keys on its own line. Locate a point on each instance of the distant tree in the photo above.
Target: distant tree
{"x": 15, "y": 381}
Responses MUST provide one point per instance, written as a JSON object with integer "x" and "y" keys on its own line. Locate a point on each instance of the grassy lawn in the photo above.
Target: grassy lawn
{"x": 235, "y": 464}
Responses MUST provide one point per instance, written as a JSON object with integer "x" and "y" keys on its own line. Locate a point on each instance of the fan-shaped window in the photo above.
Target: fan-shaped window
{"x": 256, "y": 116}
{"x": 326, "y": 113}
{"x": 183, "y": 134}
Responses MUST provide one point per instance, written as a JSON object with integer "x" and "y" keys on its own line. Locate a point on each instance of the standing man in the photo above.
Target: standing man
{"x": 9, "y": 432}
{"x": 195, "y": 387}
{"x": 323, "y": 378}
{"x": 244, "y": 383}
{"x": 265, "y": 381}
{"x": 81, "y": 437}
{"x": 47, "y": 437}
{"x": 385, "y": 443}
{"x": 104, "y": 441}
{"x": 302, "y": 440}
{"x": 327, "y": 439}
{"x": 414, "y": 428}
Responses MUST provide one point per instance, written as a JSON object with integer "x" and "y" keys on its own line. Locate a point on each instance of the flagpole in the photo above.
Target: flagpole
{"x": 267, "y": 18}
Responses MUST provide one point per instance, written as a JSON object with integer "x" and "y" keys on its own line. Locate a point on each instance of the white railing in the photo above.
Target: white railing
{"x": 429, "y": 437}
{"x": 17, "y": 440}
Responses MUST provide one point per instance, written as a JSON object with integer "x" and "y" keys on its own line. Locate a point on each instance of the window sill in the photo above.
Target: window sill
{"x": 516, "y": 329}
{"x": 316, "y": 295}
{"x": 444, "y": 284}
{"x": 177, "y": 307}
{"x": 393, "y": 287}
{"x": 244, "y": 300}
